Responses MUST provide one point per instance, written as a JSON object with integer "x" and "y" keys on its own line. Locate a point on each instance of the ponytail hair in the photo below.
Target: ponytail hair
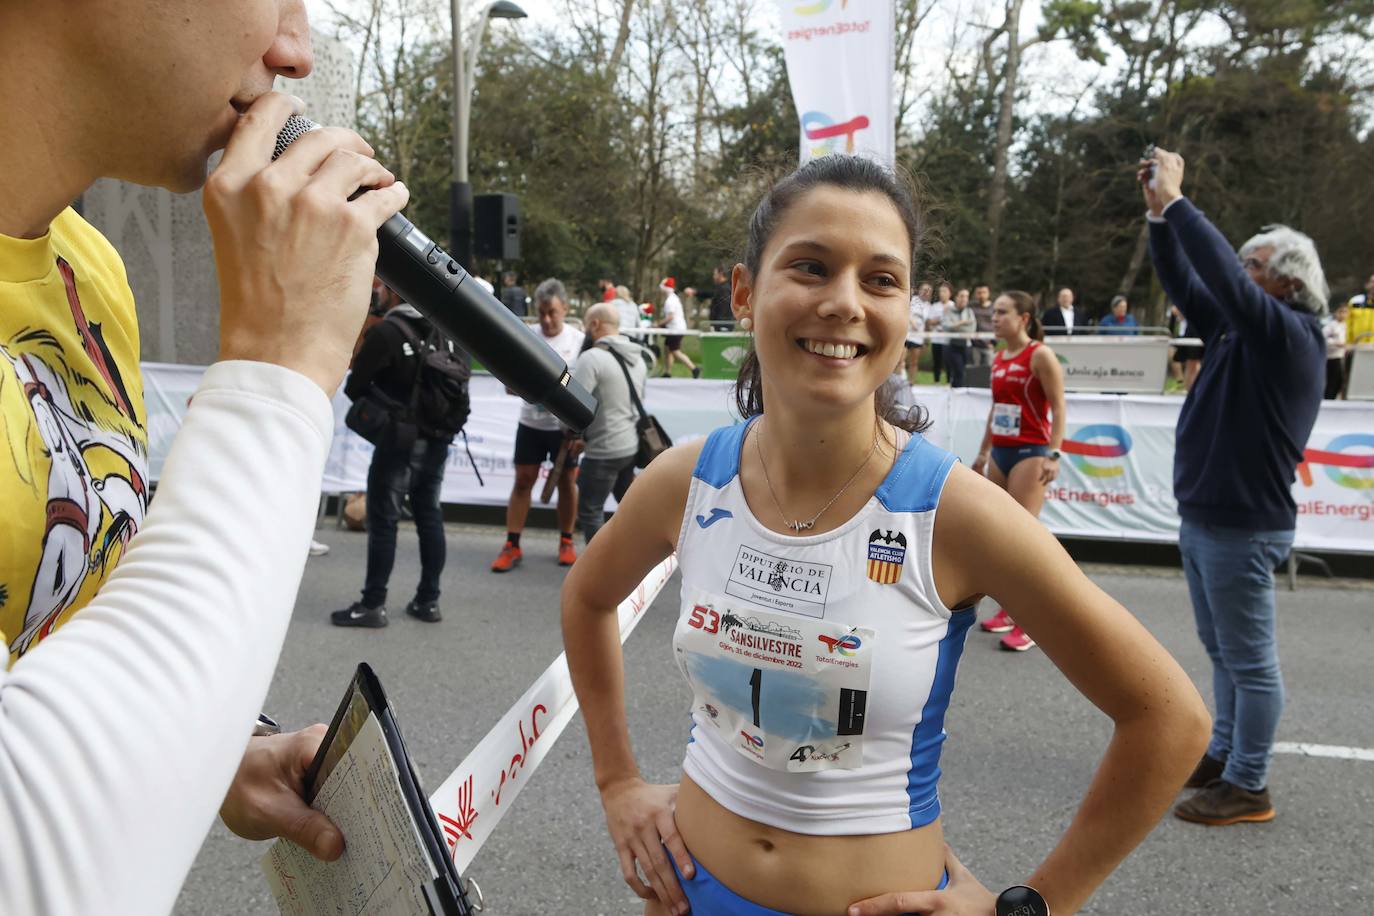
{"x": 1026, "y": 305}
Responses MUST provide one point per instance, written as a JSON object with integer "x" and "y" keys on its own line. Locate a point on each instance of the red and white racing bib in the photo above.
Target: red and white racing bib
{"x": 788, "y": 692}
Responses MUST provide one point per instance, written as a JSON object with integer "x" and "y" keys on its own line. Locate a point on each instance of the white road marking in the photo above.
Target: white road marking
{"x": 1324, "y": 750}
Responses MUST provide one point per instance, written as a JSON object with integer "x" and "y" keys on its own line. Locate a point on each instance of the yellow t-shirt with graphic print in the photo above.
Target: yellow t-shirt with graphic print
{"x": 74, "y": 458}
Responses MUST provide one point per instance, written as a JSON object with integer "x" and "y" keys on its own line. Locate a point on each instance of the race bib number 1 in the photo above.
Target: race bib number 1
{"x": 788, "y": 692}
{"x": 1006, "y": 420}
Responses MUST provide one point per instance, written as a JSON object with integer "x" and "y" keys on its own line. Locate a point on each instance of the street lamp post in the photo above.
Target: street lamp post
{"x": 464, "y": 75}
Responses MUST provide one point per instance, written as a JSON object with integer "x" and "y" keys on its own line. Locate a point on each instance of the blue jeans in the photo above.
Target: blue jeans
{"x": 599, "y": 478}
{"x": 417, "y": 470}
{"x": 1230, "y": 575}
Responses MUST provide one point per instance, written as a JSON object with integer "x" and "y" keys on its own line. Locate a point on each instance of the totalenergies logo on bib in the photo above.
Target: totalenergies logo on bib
{"x": 847, "y": 646}
{"x": 1094, "y": 448}
{"x": 1355, "y": 471}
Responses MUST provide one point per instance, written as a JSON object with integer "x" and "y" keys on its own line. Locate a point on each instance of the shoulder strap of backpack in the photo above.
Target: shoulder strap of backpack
{"x": 628, "y": 381}
{"x": 417, "y": 345}
{"x": 407, "y": 332}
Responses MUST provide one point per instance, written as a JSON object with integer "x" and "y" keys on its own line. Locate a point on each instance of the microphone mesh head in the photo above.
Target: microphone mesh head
{"x": 296, "y": 127}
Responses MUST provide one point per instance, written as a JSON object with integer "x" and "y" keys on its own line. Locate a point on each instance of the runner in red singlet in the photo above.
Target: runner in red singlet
{"x": 1025, "y": 425}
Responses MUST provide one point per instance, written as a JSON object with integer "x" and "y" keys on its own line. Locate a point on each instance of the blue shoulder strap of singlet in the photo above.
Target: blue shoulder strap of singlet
{"x": 913, "y": 484}
{"x": 916, "y": 478}
{"x": 718, "y": 462}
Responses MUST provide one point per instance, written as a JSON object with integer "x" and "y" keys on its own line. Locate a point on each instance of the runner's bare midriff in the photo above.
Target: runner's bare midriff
{"x": 801, "y": 874}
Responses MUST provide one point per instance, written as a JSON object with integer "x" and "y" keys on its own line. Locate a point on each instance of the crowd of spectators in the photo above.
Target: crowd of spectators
{"x": 940, "y": 309}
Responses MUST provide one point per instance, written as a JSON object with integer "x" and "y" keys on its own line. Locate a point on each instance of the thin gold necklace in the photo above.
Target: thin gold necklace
{"x": 798, "y": 525}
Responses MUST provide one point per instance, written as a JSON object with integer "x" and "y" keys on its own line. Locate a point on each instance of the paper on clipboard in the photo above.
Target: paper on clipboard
{"x": 384, "y": 864}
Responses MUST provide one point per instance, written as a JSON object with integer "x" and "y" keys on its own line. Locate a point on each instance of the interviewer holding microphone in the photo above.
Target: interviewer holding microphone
{"x": 141, "y": 648}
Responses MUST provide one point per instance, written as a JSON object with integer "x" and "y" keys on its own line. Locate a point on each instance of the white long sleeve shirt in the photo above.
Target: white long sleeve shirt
{"x": 121, "y": 732}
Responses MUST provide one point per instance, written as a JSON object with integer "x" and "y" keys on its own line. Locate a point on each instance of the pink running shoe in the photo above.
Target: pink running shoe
{"x": 1016, "y": 641}
{"x": 1000, "y": 622}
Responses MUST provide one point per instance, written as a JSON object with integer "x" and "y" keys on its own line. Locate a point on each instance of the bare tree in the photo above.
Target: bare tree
{"x": 909, "y": 15}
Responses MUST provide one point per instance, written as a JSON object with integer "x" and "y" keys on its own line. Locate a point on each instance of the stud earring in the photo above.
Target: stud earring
{"x": 746, "y": 324}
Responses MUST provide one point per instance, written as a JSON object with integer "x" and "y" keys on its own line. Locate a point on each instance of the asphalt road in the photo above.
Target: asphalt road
{"x": 1022, "y": 743}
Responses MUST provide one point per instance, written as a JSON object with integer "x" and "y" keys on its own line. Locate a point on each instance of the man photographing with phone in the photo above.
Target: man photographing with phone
{"x": 1240, "y": 436}
{"x": 141, "y": 648}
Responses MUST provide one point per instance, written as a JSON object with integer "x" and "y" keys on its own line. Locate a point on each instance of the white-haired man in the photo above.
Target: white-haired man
{"x": 1240, "y": 436}
{"x": 611, "y": 442}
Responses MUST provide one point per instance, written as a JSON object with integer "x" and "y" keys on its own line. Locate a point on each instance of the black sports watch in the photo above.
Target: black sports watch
{"x": 1021, "y": 901}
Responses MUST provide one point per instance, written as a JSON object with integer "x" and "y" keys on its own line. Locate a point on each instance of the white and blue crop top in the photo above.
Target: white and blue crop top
{"x": 821, "y": 666}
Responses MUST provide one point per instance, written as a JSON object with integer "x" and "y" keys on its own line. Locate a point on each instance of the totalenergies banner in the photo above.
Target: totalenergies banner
{"x": 840, "y": 57}
{"x": 1117, "y": 477}
{"x": 1116, "y": 480}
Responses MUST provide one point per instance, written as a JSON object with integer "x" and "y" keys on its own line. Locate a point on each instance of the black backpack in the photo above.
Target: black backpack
{"x": 439, "y": 400}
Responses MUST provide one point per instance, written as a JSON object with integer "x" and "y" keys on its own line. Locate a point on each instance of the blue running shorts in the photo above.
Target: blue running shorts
{"x": 708, "y": 897}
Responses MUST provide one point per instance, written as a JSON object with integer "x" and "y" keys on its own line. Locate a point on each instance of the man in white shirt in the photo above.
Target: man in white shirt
{"x": 1060, "y": 318}
{"x": 539, "y": 437}
{"x": 915, "y": 333}
{"x": 674, "y": 319}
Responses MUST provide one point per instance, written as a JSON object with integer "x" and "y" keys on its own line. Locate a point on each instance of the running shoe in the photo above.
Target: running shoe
{"x": 567, "y": 555}
{"x": 1222, "y": 804}
{"x": 318, "y": 549}
{"x": 1000, "y": 622}
{"x": 359, "y": 615}
{"x": 509, "y": 556}
{"x": 428, "y": 611}
{"x": 1016, "y": 640}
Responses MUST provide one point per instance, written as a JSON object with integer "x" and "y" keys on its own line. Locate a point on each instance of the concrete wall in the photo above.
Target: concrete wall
{"x": 165, "y": 242}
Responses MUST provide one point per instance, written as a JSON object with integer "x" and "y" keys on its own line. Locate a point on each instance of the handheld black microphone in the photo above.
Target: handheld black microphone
{"x": 424, "y": 275}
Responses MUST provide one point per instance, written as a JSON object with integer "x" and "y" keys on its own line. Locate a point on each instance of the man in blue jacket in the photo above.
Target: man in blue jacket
{"x": 1240, "y": 436}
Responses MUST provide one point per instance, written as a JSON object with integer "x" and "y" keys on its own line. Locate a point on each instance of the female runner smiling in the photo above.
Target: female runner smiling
{"x": 824, "y": 607}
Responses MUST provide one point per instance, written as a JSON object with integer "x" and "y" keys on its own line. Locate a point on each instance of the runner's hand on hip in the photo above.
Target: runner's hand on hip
{"x": 295, "y": 256}
{"x": 964, "y": 895}
{"x": 640, "y": 818}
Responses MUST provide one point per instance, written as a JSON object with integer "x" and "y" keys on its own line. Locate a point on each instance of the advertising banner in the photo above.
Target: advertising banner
{"x": 1360, "y": 386}
{"x": 840, "y": 57}
{"x": 1115, "y": 364}
{"x": 1116, "y": 479}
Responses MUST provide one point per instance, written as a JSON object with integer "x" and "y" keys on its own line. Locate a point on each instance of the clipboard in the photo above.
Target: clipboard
{"x": 446, "y": 895}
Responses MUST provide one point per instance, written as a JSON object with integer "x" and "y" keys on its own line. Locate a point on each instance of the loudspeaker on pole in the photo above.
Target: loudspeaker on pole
{"x": 497, "y": 226}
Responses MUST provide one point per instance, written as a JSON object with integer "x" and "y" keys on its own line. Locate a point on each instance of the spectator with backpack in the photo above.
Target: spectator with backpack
{"x": 613, "y": 369}
{"x": 409, "y": 387}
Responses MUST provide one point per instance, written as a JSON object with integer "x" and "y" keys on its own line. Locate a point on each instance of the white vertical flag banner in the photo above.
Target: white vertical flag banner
{"x": 840, "y": 58}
